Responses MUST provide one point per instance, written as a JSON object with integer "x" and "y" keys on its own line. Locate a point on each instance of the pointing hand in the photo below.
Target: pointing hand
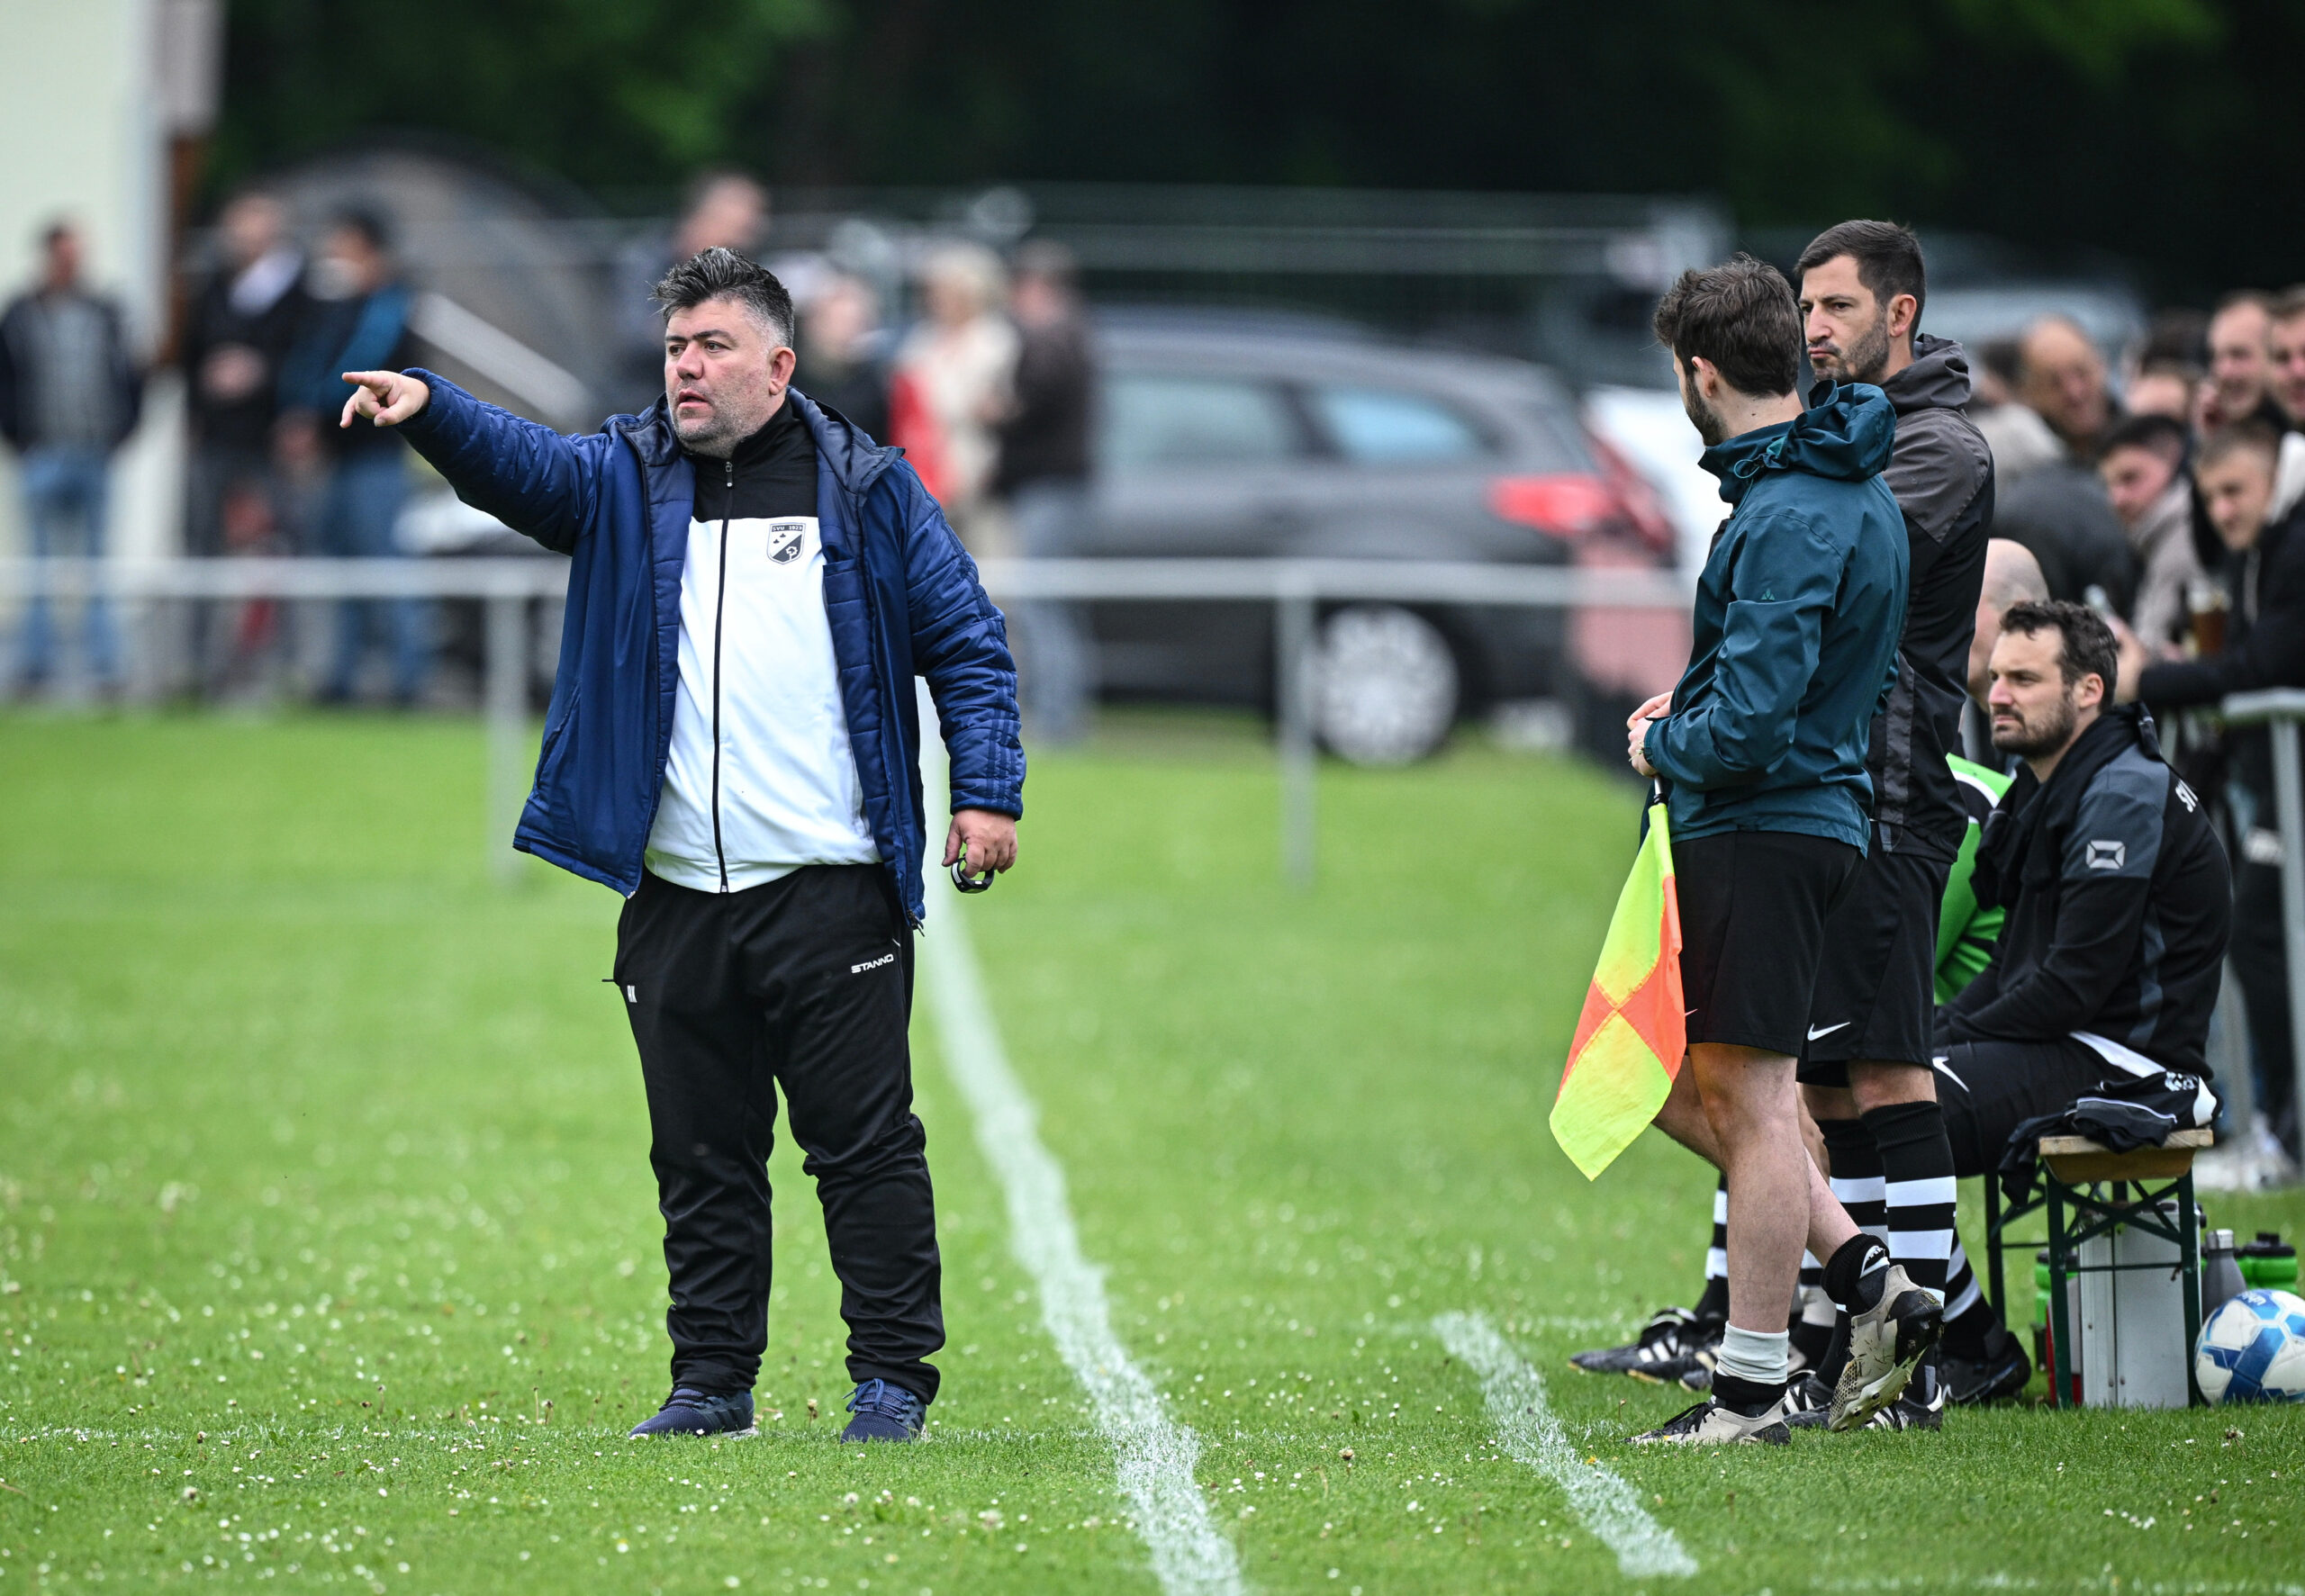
{"x": 387, "y": 398}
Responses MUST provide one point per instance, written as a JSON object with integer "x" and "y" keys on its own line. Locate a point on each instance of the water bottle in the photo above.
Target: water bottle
{"x": 2220, "y": 1274}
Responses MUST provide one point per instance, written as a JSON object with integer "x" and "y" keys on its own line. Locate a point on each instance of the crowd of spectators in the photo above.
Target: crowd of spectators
{"x": 986, "y": 385}
{"x": 2167, "y": 491}
{"x": 261, "y": 343}
{"x": 2175, "y": 506}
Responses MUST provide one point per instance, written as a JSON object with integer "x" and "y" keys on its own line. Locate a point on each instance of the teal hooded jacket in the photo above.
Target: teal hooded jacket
{"x": 1796, "y": 622}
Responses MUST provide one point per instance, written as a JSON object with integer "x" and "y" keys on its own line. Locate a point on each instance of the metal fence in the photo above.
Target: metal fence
{"x": 2279, "y": 710}
{"x": 1295, "y": 589}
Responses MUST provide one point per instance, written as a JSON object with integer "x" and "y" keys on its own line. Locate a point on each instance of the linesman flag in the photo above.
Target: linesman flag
{"x": 1634, "y": 1030}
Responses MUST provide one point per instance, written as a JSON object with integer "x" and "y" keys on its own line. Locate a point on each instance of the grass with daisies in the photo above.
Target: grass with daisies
{"x": 328, "y": 1254}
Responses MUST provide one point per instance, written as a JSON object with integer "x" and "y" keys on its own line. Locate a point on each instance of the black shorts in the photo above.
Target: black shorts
{"x": 1877, "y": 986}
{"x": 1989, "y": 1089}
{"x": 1753, "y": 911}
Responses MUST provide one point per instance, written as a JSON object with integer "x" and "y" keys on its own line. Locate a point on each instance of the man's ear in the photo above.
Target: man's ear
{"x": 1905, "y": 311}
{"x": 2089, "y": 692}
{"x": 1704, "y": 377}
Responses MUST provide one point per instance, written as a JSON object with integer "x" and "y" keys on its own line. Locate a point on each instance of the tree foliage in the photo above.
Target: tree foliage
{"x": 2167, "y": 129}
{"x": 598, "y": 91}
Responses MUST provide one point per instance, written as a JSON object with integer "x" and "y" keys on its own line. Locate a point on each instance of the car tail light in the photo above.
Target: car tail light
{"x": 1639, "y": 500}
{"x": 1568, "y": 504}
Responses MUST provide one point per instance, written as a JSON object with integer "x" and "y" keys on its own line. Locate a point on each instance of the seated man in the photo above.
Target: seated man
{"x": 2115, "y": 891}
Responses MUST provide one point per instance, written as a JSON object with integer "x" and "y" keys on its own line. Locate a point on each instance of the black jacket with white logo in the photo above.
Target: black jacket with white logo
{"x": 2119, "y": 902}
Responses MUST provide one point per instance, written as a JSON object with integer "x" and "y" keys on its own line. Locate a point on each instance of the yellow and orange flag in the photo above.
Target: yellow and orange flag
{"x": 1634, "y": 1029}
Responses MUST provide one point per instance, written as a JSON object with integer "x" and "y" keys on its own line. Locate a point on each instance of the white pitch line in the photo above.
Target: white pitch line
{"x": 1156, "y": 1454}
{"x": 1530, "y": 1434}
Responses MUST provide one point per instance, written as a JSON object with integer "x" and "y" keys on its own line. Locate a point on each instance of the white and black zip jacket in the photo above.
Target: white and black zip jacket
{"x": 760, "y": 779}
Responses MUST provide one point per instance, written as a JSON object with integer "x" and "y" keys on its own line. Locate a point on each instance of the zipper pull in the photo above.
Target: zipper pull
{"x": 728, "y": 473}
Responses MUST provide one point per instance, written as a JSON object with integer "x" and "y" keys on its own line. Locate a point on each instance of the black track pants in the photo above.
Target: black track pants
{"x": 805, "y": 982}
{"x": 1988, "y": 1088}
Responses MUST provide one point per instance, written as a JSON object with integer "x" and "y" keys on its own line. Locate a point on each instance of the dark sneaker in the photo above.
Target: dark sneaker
{"x": 2004, "y": 1372}
{"x": 884, "y": 1412}
{"x": 1712, "y": 1424}
{"x": 1911, "y": 1412}
{"x": 691, "y": 1411}
{"x": 1808, "y": 1403}
{"x": 1885, "y": 1343}
{"x": 1920, "y": 1406}
{"x": 1696, "y": 1370}
{"x": 1661, "y": 1350}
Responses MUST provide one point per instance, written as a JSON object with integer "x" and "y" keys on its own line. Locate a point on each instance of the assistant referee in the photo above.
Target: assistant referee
{"x": 733, "y": 744}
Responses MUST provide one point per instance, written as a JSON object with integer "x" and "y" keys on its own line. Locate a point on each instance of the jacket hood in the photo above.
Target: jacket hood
{"x": 856, "y": 461}
{"x": 1845, "y": 434}
{"x": 1938, "y": 378}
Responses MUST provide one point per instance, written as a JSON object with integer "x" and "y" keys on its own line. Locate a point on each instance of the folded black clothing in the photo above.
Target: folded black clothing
{"x": 2122, "y": 1116}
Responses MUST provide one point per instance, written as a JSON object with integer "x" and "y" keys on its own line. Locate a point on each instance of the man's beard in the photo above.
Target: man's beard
{"x": 2049, "y": 736}
{"x": 1702, "y": 416}
{"x": 1865, "y": 361}
{"x": 713, "y": 438}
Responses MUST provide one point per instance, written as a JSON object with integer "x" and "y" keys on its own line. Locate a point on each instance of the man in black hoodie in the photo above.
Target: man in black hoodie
{"x": 1865, "y": 1072}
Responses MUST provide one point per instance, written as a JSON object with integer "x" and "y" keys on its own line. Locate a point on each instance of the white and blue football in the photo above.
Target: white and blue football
{"x": 2253, "y": 1349}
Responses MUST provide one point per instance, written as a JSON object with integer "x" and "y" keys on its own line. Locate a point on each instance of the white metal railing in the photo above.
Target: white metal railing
{"x": 504, "y": 586}
{"x": 1296, "y": 589}
{"x": 2278, "y": 710}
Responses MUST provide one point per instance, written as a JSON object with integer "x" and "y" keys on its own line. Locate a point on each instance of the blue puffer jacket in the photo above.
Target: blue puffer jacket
{"x": 901, "y": 593}
{"x": 1797, "y": 618}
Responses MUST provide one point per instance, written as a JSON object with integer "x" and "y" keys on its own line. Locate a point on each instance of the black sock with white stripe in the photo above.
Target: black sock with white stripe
{"x": 1856, "y": 1177}
{"x": 1919, "y": 1188}
{"x": 1812, "y": 1316}
{"x": 1969, "y": 1318}
{"x": 1855, "y": 1181}
{"x": 1714, "y": 1302}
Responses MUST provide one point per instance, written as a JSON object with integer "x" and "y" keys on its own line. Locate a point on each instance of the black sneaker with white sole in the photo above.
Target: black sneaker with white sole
{"x": 1887, "y": 1342}
{"x": 1912, "y": 1411}
{"x": 1808, "y": 1403}
{"x": 1658, "y": 1353}
{"x": 2001, "y": 1373}
{"x": 1696, "y": 1373}
{"x": 1713, "y": 1423}
{"x": 1921, "y": 1405}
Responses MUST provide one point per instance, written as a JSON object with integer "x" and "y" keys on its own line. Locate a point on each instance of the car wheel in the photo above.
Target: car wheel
{"x": 1383, "y": 685}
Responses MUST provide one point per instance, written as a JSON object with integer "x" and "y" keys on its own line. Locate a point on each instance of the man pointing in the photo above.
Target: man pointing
{"x": 733, "y": 745}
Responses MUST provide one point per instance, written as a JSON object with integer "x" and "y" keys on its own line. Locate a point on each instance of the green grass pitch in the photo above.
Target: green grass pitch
{"x": 328, "y": 1254}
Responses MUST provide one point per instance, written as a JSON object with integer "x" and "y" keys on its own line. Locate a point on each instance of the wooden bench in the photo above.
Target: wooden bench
{"x": 2074, "y": 1171}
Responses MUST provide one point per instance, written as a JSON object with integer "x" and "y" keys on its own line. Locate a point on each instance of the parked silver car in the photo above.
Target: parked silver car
{"x": 1269, "y": 436}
